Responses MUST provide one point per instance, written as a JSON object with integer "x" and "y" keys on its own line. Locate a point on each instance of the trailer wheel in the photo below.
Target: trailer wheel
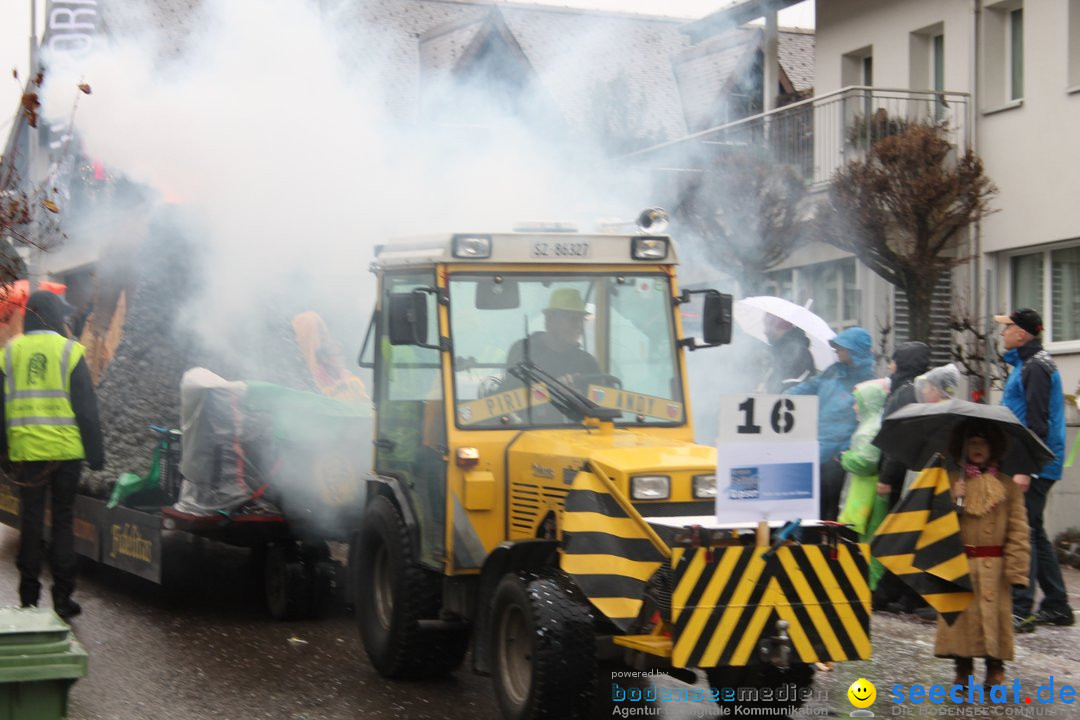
{"x": 284, "y": 583}
{"x": 543, "y": 648}
{"x": 393, "y": 595}
{"x": 760, "y": 677}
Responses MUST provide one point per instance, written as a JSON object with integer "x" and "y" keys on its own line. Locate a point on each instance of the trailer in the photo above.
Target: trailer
{"x": 278, "y": 471}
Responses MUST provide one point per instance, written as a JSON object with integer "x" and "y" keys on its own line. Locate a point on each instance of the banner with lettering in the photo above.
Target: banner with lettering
{"x": 132, "y": 542}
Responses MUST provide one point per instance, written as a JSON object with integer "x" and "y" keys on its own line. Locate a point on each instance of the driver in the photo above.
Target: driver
{"x": 556, "y": 349}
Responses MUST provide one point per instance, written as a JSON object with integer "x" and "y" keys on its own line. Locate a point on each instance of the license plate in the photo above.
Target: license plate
{"x": 561, "y": 249}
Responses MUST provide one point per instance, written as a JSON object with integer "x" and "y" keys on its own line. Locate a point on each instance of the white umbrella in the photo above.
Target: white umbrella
{"x": 750, "y": 314}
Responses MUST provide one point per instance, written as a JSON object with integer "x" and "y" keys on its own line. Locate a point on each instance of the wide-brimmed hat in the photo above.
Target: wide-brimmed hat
{"x": 568, "y": 300}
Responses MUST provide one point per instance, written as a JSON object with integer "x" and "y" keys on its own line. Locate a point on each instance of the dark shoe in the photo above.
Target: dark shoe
{"x": 29, "y": 605}
{"x": 1055, "y": 617}
{"x": 67, "y": 609}
{"x": 1023, "y": 624}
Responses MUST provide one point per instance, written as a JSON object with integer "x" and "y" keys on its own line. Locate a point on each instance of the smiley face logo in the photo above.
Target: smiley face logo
{"x": 862, "y": 693}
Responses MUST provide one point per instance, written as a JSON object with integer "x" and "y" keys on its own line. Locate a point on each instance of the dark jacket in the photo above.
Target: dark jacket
{"x": 1035, "y": 395}
{"x": 47, "y": 311}
{"x": 834, "y": 388}
{"x": 912, "y": 359}
{"x": 791, "y": 361}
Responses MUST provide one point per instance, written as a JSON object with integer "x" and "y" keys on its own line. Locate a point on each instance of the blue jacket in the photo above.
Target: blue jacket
{"x": 834, "y": 388}
{"x": 1034, "y": 393}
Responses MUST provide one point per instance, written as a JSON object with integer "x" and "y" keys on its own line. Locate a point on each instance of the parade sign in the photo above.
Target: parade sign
{"x": 767, "y": 458}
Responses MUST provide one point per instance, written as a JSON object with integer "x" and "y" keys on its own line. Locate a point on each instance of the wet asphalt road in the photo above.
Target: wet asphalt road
{"x": 203, "y": 647}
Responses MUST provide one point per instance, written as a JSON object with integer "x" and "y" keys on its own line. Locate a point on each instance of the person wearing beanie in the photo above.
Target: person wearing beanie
{"x": 938, "y": 384}
{"x": 51, "y": 420}
{"x": 1034, "y": 393}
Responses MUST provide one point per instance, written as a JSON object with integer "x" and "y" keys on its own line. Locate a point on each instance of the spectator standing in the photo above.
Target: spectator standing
{"x": 937, "y": 385}
{"x": 836, "y": 413}
{"x": 909, "y": 360}
{"x": 861, "y": 459}
{"x": 1034, "y": 393}
{"x": 789, "y": 349}
{"x": 995, "y": 534}
{"x": 51, "y": 420}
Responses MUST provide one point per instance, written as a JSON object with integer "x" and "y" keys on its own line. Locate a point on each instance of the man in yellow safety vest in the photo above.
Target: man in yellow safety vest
{"x": 51, "y": 425}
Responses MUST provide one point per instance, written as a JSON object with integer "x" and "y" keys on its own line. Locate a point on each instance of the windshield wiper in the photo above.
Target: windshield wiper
{"x": 565, "y": 398}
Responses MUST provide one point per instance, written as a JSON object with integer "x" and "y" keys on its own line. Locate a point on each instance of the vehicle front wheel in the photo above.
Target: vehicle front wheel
{"x": 543, "y": 648}
{"x": 393, "y": 595}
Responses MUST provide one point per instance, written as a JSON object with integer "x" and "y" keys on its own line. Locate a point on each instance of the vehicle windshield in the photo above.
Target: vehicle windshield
{"x": 608, "y": 339}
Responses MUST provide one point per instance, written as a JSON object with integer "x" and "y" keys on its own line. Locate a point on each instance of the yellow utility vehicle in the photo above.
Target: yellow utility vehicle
{"x": 537, "y": 490}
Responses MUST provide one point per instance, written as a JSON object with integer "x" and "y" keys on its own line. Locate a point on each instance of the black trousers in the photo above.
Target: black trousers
{"x": 60, "y": 479}
{"x": 832, "y": 486}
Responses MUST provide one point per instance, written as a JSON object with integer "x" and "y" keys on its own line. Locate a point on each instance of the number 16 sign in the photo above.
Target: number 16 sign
{"x": 767, "y": 458}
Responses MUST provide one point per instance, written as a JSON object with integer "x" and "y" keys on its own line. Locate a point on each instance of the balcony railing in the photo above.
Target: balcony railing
{"x": 816, "y": 137}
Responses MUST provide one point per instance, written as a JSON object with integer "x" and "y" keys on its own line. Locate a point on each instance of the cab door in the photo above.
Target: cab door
{"x": 410, "y": 423}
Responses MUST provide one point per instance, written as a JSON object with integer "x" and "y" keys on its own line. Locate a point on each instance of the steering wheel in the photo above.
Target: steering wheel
{"x": 489, "y": 386}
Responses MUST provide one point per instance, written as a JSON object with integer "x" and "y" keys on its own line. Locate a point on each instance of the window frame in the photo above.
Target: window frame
{"x": 1047, "y": 311}
{"x": 802, "y": 271}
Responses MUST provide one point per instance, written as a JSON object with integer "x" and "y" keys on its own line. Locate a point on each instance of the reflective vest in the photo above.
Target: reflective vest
{"x": 37, "y": 398}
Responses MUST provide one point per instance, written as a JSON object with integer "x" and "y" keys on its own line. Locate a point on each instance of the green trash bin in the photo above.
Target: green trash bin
{"x": 39, "y": 661}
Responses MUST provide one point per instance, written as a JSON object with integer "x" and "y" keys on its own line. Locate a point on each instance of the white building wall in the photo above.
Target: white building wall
{"x": 1030, "y": 148}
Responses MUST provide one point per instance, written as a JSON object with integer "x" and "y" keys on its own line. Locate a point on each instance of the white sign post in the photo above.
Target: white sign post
{"x": 767, "y": 458}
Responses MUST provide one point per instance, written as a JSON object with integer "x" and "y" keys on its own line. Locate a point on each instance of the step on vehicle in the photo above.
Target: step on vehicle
{"x": 537, "y": 494}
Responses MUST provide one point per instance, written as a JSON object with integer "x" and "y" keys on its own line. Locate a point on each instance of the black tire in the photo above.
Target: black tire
{"x": 393, "y": 594}
{"x": 543, "y": 648}
{"x": 285, "y": 586}
{"x": 759, "y": 677}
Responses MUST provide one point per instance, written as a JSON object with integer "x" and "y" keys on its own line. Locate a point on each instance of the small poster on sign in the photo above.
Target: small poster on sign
{"x": 767, "y": 458}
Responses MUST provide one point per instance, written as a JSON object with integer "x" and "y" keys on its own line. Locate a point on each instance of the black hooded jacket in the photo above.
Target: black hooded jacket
{"x": 47, "y": 311}
{"x": 791, "y": 361}
{"x": 912, "y": 359}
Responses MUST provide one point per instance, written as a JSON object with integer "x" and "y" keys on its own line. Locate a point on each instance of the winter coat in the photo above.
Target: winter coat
{"x": 1034, "y": 393}
{"x": 912, "y": 359}
{"x": 861, "y": 459}
{"x": 985, "y": 628}
{"x": 834, "y": 386}
{"x": 46, "y": 311}
{"x": 791, "y": 361}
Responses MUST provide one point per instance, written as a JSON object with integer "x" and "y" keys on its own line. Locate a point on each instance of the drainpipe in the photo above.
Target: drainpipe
{"x": 976, "y": 230}
{"x": 33, "y": 258}
{"x": 771, "y": 70}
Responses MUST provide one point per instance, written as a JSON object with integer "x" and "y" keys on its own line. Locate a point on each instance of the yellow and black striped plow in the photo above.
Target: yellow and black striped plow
{"x": 919, "y": 541}
{"x": 608, "y": 549}
{"x": 726, "y": 599}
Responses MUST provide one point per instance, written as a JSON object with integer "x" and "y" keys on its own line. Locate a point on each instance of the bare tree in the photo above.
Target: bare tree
{"x": 904, "y": 211}
{"x": 747, "y": 210}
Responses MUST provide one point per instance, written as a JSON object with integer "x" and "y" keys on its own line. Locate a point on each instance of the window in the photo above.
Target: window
{"x": 857, "y": 67}
{"x": 1074, "y": 44}
{"x": 1028, "y": 287}
{"x": 830, "y": 285}
{"x": 1016, "y": 54}
{"x": 1003, "y": 54}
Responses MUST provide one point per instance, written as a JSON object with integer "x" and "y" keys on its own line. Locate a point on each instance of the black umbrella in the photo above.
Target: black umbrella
{"x": 915, "y": 432}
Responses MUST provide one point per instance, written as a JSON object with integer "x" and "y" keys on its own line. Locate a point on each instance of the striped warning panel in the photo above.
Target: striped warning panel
{"x": 726, "y": 599}
{"x": 919, "y": 541}
{"x": 611, "y": 553}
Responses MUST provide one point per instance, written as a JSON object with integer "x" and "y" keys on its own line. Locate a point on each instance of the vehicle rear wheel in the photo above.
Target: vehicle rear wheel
{"x": 393, "y": 595}
{"x": 543, "y": 648}
{"x": 284, "y": 584}
{"x": 761, "y": 677}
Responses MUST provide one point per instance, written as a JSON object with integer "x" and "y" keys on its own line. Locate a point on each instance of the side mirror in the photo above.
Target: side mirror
{"x": 408, "y": 319}
{"x": 716, "y": 322}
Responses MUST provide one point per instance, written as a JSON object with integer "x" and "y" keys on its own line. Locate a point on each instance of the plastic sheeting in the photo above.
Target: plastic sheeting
{"x": 254, "y": 445}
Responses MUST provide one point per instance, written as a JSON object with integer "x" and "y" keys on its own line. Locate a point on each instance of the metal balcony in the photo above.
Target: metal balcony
{"x": 818, "y": 136}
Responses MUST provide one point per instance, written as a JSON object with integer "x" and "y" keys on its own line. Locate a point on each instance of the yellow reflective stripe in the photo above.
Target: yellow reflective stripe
{"x": 841, "y": 605}
{"x": 753, "y": 632}
{"x": 811, "y": 604}
{"x": 616, "y": 607}
{"x": 911, "y": 521}
{"x": 626, "y": 528}
{"x": 608, "y": 565}
{"x": 735, "y": 608}
{"x": 687, "y": 583}
{"x": 31, "y": 394}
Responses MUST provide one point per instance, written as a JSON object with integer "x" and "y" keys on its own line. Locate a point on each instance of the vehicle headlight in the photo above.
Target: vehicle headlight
{"x": 650, "y": 487}
{"x": 471, "y": 246}
{"x": 704, "y": 486}
{"x": 649, "y": 248}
